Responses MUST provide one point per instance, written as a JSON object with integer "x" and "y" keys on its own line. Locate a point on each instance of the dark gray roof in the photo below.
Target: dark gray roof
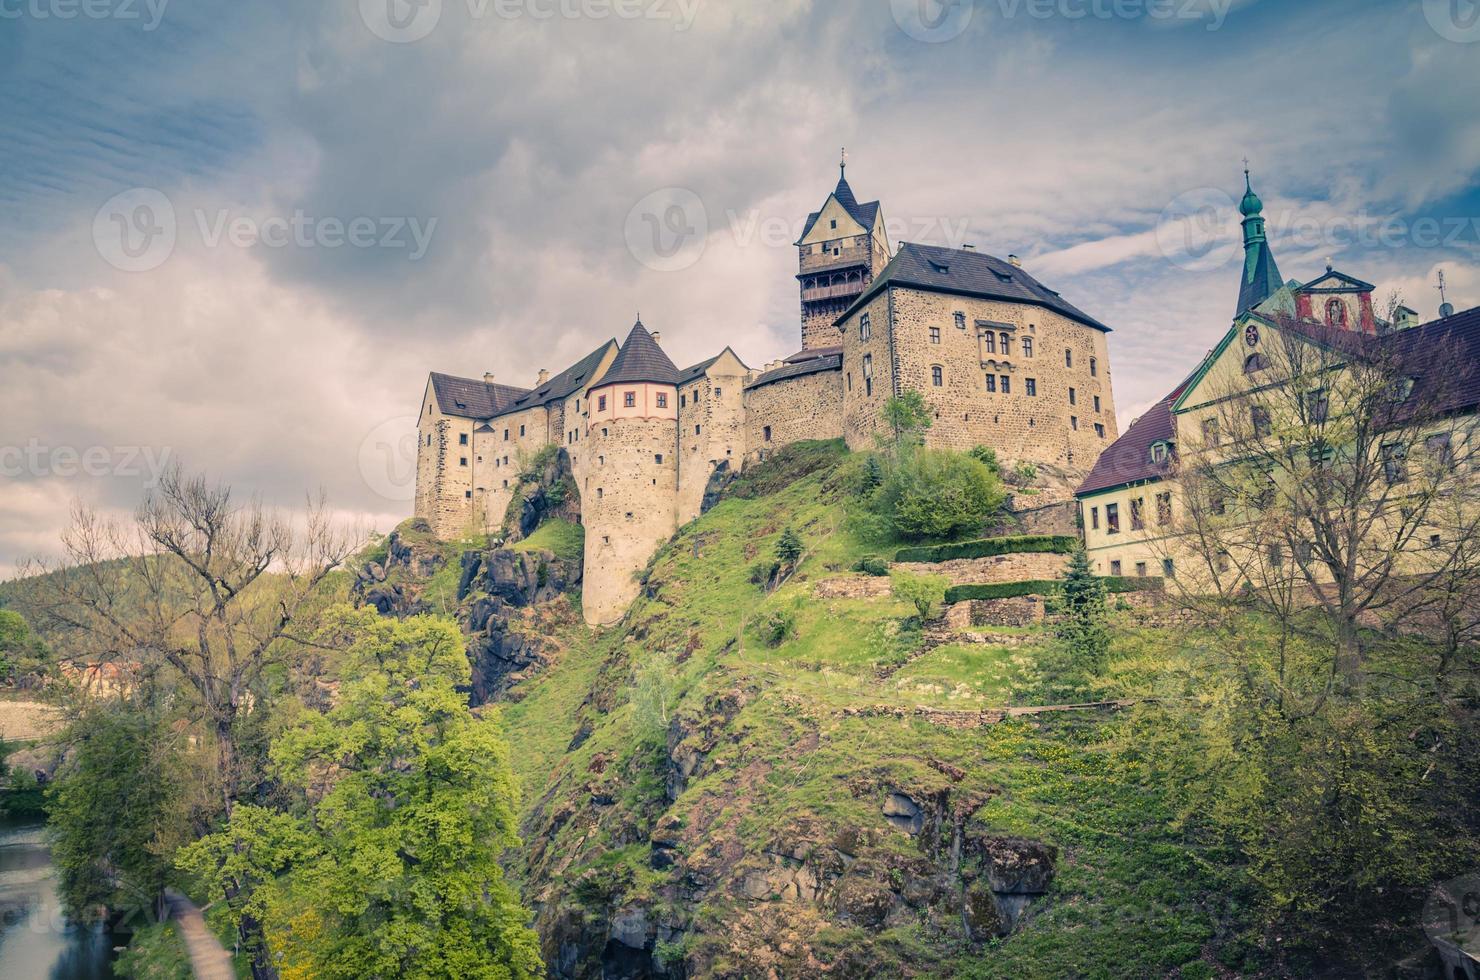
{"x": 796, "y": 369}
{"x": 971, "y": 273}
{"x": 563, "y": 384}
{"x": 697, "y": 370}
{"x": 471, "y": 399}
{"x": 864, "y": 214}
{"x": 1261, "y": 278}
{"x": 811, "y": 352}
{"x": 641, "y": 359}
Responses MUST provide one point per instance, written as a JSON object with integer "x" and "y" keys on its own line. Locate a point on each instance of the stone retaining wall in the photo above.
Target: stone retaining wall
{"x": 993, "y": 570}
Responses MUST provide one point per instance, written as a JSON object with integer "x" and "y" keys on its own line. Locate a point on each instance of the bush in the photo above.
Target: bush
{"x": 789, "y": 549}
{"x": 871, "y": 565}
{"x": 763, "y": 573}
{"x": 779, "y": 627}
{"x": 926, "y": 592}
{"x": 1023, "y": 474}
{"x": 987, "y": 547}
{"x": 936, "y": 493}
{"x": 1046, "y": 587}
{"x": 987, "y": 456}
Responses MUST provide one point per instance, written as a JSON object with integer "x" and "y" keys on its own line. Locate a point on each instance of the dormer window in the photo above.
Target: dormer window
{"x": 1161, "y": 451}
{"x": 1401, "y": 389}
{"x": 940, "y": 267}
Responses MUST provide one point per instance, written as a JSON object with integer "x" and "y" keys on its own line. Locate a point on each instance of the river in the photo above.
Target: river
{"x": 36, "y": 940}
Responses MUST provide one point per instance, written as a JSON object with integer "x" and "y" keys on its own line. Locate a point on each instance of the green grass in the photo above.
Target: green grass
{"x": 156, "y": 952}
{"x": 564, "y": 538}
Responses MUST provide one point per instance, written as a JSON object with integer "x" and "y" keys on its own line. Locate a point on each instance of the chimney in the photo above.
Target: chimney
{"x": 544, "y": 376}
{"x": 488, "y": 377}
{"x": 1015, "y": 262}
{"x": 657, "y": 337}
{"x": 971, "y": 247}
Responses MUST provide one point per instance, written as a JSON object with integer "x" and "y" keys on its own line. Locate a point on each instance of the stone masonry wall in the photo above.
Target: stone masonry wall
{"x": 805, "y": 407}
{"x": 991, "y": 571}
{"x": 864, "y": 401}
{"x": 629, "y": 510}
{"x": 1042, "y": 427}
{"x": 711, "y": 430}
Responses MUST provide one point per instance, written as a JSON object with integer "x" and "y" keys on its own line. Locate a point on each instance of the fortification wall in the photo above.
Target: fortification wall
{"x": 805, "y": 407}
{"x": 711, "y": 430}
{"x": 627, "y": 507}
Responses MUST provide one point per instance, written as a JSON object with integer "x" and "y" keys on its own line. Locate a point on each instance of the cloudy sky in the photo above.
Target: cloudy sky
{"x": 240, "y": 234}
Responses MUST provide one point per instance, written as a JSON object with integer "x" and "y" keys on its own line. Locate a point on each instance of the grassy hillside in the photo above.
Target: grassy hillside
{"x": 761, "y": 770}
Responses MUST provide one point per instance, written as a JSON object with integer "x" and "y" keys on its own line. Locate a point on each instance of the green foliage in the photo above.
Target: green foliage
{"x": 112, "y": 809}
{"x": 565, "y": 539}
{"x": 763, "y": 573}
{"x": 1047, "y": 587}
{"x": 936, "y": 493}
{"x": 154, "y": 952}
{"x": 779, "y": 627}
{"x": 789, "y": 549}
{"x": 1023, "y": 474}
{"x": 924, "y": 592}
{"x": 988, "y": 547}
{"x": 908, "y": 417}
{"x": 21, "y": 795}
{"x": 872, "y": 565}
{"x": 987, "y": 456}
{"x": 873, "y": 474}
{"x": 1082, "y": 628}
{"x": 654, "y": 694}
{"x": 21, "y": 651}
{"x": 387, "y": 862}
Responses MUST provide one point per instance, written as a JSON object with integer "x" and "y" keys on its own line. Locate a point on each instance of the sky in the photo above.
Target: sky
{"x": 238, "y": 235}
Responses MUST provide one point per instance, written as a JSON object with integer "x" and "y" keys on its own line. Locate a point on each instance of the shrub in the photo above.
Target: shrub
{"x": 763, "y": 573}
{"x": 987, "y": 547}
{"x": 871, "y": 565}
{"x": 789, "y": 549}
{"x": 926, "y": 592}
{"x": 935, "y": 493}
{"x": 1046, "y": 587}
{"x": 779, "y": 627}
{"x": 987, "y": 456}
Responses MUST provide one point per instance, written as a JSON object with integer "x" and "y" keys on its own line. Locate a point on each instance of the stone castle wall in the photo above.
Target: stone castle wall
{"x": 1034, "y": 421}
{"x": 629, "y": 510}
{"x": 805, "y": 407}
{"x": 711, "y": 430}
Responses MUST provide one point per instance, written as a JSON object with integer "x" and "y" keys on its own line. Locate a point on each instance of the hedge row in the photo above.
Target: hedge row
{"x": 1008, "y": 590}
{"x": 988, "y": 547}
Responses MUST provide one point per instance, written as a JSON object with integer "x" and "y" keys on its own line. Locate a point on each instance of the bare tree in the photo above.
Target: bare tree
{"x": 1335, "y": 470}
{"x": 199, "y": 585}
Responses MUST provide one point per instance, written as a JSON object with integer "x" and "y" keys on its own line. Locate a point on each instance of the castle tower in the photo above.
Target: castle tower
{"x": 1261, "y": 278}
{"x": 842, "y": 248}
{"x": 629, "y": 496}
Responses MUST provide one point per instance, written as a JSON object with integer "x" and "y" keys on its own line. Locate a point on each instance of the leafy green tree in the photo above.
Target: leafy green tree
{"x": 21, "y": 651}
{"x": 987, "y": 456}
{"x": 113, "y": 809}
{"x": 388, "y": 864}
{"x": 654, "y": 692}
{"x": 1082, "y": 626}
{"x": 908, "y": 418}
{"x": 936, "y": 493}
{"x": 925, "y": 592}
{"x": 20, "y": 794}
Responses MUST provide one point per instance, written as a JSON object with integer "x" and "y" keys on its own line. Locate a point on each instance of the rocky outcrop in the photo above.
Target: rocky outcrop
{"x": 393, "y": 587}
{"x": 499, "y": 591}
{"x": 548, "y": 493}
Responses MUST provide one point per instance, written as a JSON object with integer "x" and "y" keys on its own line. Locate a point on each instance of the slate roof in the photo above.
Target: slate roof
{"x": 797, "y": 369}
{"x": 695, "y": 371}
{"x": 1128, "y": 460}
{"x": 641, "y": 359}
{"x": 470, "y": 399}
{"x": 811, "y": 352}
{"x": 864, "y": 214}
{"x": 972, "y": 273}
{"x": 562, "y": 385}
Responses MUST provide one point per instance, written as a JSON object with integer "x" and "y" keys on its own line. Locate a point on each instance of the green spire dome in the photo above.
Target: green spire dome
{"x": 1250, "y": 205}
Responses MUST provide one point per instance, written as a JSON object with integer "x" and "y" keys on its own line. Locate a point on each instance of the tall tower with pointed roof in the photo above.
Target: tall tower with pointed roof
{"x": 630, "y": 491}
{"x": 842, "y": 248}
{"x": 1261, "y": 278}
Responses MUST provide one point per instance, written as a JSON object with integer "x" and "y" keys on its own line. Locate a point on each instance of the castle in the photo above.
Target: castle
{"x": 1001, "y": 359}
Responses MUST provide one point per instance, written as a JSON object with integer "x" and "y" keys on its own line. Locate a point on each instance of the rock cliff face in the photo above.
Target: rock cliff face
{"x": 501, "y": 595}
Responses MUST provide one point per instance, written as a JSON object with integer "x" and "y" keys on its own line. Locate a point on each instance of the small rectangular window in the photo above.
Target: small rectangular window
{"x": 467, "y": 495}
{"x": 683, "y": 401}
{"x": 1138, "y": 514}
{"x": 463, "y": 461}
{"x": 1068, "y": 357}
{"x": 629, "y": 399}
{"x": 1140, "y": 569}
{"x": 696, "y": 430}
{"x": 937, "y": 376}
{"x": 1094, "y": 518}
{"x": 521, "y": 432}
{"x": 1006, "y": 383}
{"x": 868, "y": 387}
{"x": 662, "y": 400}
{"x": 1032, "y": 387}
{"x": 1074, "y": 422}
{"x": 991, "y": 382}
{"x": 1115, "y": 568}
{"x": 1100, "y": 430}
{"x": 1164, "y": 509}
{"x": 506, "y": 435}
{"x": 1097, "y": 403}
{"x": 462, "y": 438}
{"x": 1211, "y": 434}
{"x": 766, "y": 433}
{"x": 1112, "y": 518}
{"x": 1073, "y": 397}
{"x": 935, "y": 335}
{"x": 1027, "y": 346}
{"x": 657, "y": 457}
{"x": 1094, "y": 367}
{"x": 718, "y": 392}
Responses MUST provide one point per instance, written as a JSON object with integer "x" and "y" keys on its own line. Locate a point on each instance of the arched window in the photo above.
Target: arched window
{"x": 1255, "y": 363}
{"x": 937, "y": 375}
{"x": 989, "y": 342}
{"x": 1006, "y": 343}
{"x": 1336, "y": 313}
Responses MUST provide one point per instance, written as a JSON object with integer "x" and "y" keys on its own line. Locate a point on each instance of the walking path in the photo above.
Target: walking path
{"x": 208, "y": 958}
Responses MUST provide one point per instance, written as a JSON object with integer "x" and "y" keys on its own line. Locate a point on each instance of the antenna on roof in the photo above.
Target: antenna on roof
{"x": 1445, "y": 308}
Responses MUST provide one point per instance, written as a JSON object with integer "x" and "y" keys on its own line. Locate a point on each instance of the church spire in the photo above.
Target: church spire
{"x": 1261, "y": 276}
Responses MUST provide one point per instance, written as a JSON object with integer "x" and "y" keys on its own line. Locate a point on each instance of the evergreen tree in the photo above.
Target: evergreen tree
{"x": 789, "y": 549}
{"x": 1082, "y": 626}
